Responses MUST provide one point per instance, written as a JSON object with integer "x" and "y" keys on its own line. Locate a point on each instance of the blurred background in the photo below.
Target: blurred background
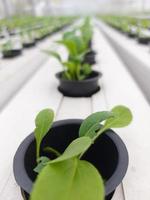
{"x": 58, "y": 7}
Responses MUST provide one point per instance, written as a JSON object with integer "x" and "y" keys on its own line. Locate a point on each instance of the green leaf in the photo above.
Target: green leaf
{"x": 72, "y": 179}
{"x": 54, "y": 54}
{"x": 86, "y": 31}
{"x": 43, "y": 124}
{"x": 92, "y": 123}
{"x": 68, "y": 34}
{"x": 41, "y": 164}
{"x": 66, "y": 75}
{"x": 86, "y": 68}
{"x": 77, "y": 147}
{"x": 70, "y": 45}
{"x": 122, "y": 117}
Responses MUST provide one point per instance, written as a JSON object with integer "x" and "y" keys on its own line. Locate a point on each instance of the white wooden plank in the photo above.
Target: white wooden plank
{"x": 119, "y": 194}
{"x": 120, "y": 88}
{"x": 11, "y": 191}
{"x": 74, "y": 108}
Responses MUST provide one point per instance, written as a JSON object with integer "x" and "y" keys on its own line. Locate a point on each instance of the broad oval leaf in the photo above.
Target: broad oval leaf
{"x": 70, "y": 45}
{"x": 43, "y": 123}
{"x": 92, "y": 123}
{"x": 122, "y": 117}
{"x": 72, "y": 179}
{"x": 77, "y": 147}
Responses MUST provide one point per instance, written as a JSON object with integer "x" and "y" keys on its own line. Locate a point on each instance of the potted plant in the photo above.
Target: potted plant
{"x": 9, "y": 51}
{"x": 73, "y": 159}
{"x": 27, "y": 39}
{"x": 132, "y": 31}
{"x": 39, "y": 34}
{"x": 143, "y": 36}
{"x": 77, "y": 78}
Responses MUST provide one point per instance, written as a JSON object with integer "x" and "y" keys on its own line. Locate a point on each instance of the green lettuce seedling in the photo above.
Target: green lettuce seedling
{"x": 7, "y": 46}
{"x": 68, "y": 177}
{"x": 77, "y": 45}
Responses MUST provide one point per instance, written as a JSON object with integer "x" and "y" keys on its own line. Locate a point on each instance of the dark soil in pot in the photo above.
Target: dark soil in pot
{"x": 108, "y": 154}
{"x": 12, "y": 53}
{"x": 90, "y": 58}
{"x": 83, "y": 88}
{"x": 29, "y": 44}
{"x": 142, "y": 40}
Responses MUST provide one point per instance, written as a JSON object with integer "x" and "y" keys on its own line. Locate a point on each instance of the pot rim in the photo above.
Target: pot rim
{"x": 26, "y": 183}
{"x": 97, "y": 75}
{"x": 12, "y": 51}
{"x": 29, "y": 43}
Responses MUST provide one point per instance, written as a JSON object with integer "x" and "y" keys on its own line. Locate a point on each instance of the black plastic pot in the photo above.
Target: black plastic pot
{"x": 29, "y": 44}
{"x": 83, "y": 88}
{"x": 38, "y": 39}
{"x": 108, "y": 154}
{"x": 143, "y": 40}
{"x": 1, "y": 36}
{"x": 131, "y": 35}
{"x": 12, "y": 53}
{"x": 90, "y": 58}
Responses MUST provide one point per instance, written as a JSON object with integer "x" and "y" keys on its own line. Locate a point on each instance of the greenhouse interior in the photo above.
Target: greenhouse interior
{"x": 75, "y": 100}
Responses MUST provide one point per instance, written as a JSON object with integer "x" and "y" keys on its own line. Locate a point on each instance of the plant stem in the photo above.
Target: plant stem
{"x": 52, "y": 150}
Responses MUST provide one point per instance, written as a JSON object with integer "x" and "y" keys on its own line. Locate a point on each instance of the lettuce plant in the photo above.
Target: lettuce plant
{"x": 73, "y": 67}
{"x": 7, "y": 46}
{"x": 27, "y": 36}
{"x": 66, "y": 176}
{"x": 77, "y": 44}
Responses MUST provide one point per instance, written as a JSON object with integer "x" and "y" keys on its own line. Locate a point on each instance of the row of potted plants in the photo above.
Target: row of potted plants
{"x": 137, "y": 28}
{"x": 27, "y": 37}
{"x": 74, "y": 159}
{"x": 17, "y": 24}
{"x": 77, "y": 78}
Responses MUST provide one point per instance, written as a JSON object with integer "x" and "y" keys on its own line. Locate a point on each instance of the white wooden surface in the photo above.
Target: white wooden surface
{"x": 14, "y": 73}
{"x": 17, "y": 119}
{"x": 141, "y": 51}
